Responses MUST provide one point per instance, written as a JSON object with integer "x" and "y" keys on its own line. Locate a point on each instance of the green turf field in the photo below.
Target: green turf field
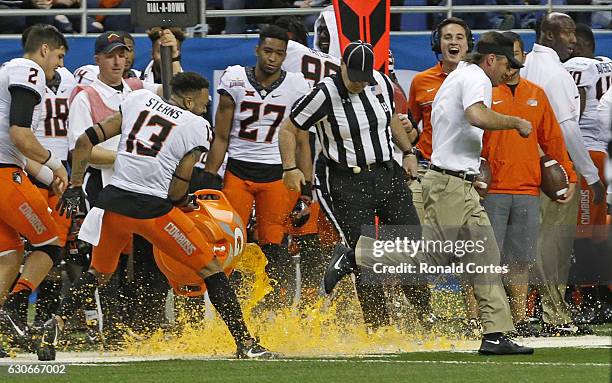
{"x": 547, "y": 365}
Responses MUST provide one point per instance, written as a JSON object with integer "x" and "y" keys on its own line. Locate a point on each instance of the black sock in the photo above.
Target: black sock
{"x": 350, "y": 255}
{"x": 279, "y": 265}
{"x": 223, "y": 297}
{"x": 312, "y": 260}
{"x": 83, "y": 290}
{"x": 17, "y": 303}
{"x": 48, "y": 299}
{"x": 492, "y": 336}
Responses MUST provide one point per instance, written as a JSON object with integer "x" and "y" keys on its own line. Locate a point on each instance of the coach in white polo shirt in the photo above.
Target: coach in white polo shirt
{"x": 460, "y": 113}
{"x": 556, "y": 39}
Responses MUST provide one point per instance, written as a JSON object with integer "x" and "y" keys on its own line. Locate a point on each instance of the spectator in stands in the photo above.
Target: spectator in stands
{"x": 513, "y": 20}
{"x": 234, "y": 24}
{"x": 115, "y": 23}
{"x": 19, "y": 23}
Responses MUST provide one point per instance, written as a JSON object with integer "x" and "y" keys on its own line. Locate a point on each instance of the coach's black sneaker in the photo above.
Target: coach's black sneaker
{"x": 17, "y": 331}
{"x": 567, "y": 329}
{"x": 251, "y": 349}
{"x": 48, "y": 340}
{"x": 342, "y": 263}
{"x": 502, "y": 345}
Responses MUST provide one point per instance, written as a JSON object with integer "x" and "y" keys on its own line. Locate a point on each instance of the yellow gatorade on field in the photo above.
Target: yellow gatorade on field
{"x": 323, "y": 328}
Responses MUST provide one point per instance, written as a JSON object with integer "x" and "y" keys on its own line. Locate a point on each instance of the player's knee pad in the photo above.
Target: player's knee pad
{"x": 53, "y": 251}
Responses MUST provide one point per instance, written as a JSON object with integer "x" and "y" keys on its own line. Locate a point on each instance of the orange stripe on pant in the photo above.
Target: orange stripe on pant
{"x": 23, "y": 210}
{"x": 173, "y": 233}
{"x": 591, "y": 217}
{"x": 272, "y": 201}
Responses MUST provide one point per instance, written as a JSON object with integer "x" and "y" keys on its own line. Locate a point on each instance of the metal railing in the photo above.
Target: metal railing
{"x": 449, "y": 9}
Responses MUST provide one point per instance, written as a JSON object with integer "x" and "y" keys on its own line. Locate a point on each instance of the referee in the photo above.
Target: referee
{"x": 453, "y": 214}
{"x": 356, "y": 178}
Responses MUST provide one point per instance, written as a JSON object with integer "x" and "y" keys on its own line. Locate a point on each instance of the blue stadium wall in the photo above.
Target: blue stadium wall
{"x": 205, "y": 55}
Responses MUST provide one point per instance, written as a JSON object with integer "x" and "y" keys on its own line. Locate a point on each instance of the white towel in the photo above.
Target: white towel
{"x": 92, "y": 226}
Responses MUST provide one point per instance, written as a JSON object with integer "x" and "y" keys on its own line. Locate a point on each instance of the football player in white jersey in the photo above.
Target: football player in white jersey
{"x": 87, "y": 74}
{"x": 23, "y": 210}
{"x": 52, "y": 133}
{"x": 314, "y": 65}
{"x": 253, "y": 101}
{"x": 593, "y": 76}
{"x": 90, "y": 105}
{"x": 160, "y": 142}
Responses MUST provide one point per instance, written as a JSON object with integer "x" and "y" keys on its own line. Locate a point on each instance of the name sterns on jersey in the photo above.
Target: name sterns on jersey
{"x": 162, "y": 107}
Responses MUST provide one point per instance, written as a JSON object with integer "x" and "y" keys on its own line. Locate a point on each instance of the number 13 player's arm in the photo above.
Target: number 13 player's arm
{"x": 179, "y": 186}
{"x": 81, "y": 154}
{"x": 223, "y": 125}
{"x": 23, "y": 102}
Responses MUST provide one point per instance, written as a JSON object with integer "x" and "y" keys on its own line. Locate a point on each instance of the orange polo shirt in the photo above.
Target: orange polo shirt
{"x": 514, "y": 160}
{"x": 423, "y": 89}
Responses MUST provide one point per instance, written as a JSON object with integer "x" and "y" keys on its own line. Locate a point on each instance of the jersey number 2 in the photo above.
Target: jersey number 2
{"x": 156, "y": 139}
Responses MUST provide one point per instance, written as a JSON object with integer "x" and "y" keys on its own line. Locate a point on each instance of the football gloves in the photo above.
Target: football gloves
{"x": 71, "y": 201}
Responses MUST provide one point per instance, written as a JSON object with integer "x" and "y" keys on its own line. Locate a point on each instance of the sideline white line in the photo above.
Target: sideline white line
{"x": 117, "y": 363}
{"x": 590, "y": 341}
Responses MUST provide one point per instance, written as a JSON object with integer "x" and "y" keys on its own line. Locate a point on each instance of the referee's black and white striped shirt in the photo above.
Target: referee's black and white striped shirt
{"x": 353, "y": 129}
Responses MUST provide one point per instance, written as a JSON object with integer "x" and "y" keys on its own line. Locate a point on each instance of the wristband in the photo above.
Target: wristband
{"x": 410, "y": 152}
{"x": 180, "y": 178}
{"x": 45, "y": 175}
{"x": 53, "y": 162}
{"x": 290, "y": 169}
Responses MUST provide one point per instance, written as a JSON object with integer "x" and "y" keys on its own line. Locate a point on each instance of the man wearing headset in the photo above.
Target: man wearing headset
{"x": 452, "y": 38}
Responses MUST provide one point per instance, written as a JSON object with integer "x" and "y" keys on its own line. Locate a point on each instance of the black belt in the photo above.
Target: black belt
{"x": 462, "y": 175}
{"x": 358, "y": 169}
{"x": 9, "y": 166}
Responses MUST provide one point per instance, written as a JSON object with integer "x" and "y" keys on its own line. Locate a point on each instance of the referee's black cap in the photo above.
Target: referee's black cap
{"x": 498, "y": 44}
{"x": 359, "y": 59}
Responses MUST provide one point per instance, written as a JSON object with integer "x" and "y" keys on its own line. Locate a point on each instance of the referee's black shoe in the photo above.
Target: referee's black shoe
{"x": 342, "y": 263}
{"x": 502, "y": 345}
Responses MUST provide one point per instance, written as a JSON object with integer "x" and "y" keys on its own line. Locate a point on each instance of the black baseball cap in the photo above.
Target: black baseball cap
{"x": 500, "y": 45}
{"x": 359, "y": 59}
{"x": 110, "y": 40}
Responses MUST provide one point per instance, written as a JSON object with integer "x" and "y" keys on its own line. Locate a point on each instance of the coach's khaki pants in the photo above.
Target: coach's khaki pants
{"x": 555, "y": 243}
{"x": 417, "y": 194}
{"x": 453, "y": 213}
